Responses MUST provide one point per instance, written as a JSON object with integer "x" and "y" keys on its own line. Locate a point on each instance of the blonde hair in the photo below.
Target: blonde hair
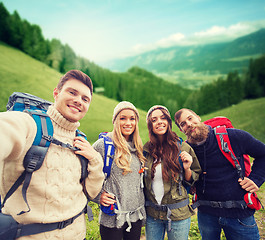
{"x": 123, "y": 156}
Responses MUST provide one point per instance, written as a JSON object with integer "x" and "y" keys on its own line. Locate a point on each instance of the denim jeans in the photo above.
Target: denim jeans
{"x": 155, "y": 229}
{"x": 244, "y": 229}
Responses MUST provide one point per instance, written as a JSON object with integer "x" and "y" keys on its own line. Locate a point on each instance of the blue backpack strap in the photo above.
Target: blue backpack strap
{"x": 36, "y": 154}
{"x": 34, "y": 157}
{"x": 109, "y": 153}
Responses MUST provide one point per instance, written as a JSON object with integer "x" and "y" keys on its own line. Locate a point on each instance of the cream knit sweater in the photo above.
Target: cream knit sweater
{"x": 55, "y": 193}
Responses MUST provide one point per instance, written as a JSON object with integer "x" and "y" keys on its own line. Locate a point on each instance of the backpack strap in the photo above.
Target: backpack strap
{"x": 83, "y": 160}
{"x": 226, "y": 149}
{"x": 181, "y": 169}
{"x": 182, "y": 172}
{"x": 35, "y": 155}
{"x": 35, "y": 228}
{"x": 167, "y": 208}
{"x": 215, "y": 204}
{"x": 109, "y": 153}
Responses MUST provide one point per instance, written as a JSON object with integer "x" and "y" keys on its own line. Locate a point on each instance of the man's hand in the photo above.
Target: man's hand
{"x": 248, "y": 185}
{"x": 85, "y": 149}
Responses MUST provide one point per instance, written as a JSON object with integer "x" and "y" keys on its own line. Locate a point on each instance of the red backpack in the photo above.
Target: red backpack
{"x": 220, "y": 124}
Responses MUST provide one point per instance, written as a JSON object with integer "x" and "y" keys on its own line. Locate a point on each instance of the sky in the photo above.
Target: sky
{"x": 101, "y": 30}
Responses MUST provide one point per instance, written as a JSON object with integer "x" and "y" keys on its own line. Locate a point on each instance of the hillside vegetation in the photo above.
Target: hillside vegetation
{"x": 21, "y": 73}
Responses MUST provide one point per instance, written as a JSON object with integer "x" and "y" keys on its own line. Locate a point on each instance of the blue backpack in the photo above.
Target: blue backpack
{"x": 108, "y": 159}
{"x": 33, "y": 160}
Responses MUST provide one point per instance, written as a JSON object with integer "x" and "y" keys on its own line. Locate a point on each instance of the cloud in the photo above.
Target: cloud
{"x": 171, "y": 40}
{"x": 213, "y": 34}
{"x": 220, "y": 33}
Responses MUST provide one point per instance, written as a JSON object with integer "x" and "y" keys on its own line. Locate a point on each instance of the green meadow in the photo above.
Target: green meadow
{"x": 21, "y": 73}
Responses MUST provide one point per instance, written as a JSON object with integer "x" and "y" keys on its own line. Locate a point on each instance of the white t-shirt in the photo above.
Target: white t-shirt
{"x": 157, "y": 184}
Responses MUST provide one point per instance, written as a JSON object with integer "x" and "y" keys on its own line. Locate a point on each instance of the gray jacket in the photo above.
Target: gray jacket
{"x": 128, "y": 190}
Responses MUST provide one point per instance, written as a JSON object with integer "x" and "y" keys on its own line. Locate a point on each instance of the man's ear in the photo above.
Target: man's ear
{"x": 55, "y": 93}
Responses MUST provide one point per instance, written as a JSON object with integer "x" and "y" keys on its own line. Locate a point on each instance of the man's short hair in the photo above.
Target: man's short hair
{"x": 78, "y": 75}
{"x": 179, "y": 112}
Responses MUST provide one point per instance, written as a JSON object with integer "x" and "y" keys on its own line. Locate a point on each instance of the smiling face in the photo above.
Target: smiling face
{"x": 73, "y": 100}
{"x": 127, "y": 121}
{"x": 159, "y": 123}
{"x": 190, "y": 124}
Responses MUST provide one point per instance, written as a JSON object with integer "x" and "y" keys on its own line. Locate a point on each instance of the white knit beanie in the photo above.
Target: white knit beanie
{"x": 154, "y": 108}
{"x": 124, "y": 105}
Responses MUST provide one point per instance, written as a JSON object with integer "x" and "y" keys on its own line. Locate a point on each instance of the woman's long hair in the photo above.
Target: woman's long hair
{"x": 167, "y": 151}
{"x": 122, "y": 153}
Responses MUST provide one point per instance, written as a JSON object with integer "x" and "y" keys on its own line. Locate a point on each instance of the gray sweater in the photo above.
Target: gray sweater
{"x": 128, "y": 190}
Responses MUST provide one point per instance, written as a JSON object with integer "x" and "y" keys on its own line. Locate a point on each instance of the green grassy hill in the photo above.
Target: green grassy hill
{"x": 21, "y": 73}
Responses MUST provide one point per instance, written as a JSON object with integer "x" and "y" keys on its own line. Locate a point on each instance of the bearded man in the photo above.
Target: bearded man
{"x": 219, "y": 189}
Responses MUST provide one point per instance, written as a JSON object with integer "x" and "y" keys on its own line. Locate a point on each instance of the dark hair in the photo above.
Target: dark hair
{"x": 167, "y": 151}
{"x": 78, "y": 75}
{"x": 179, "y": 112}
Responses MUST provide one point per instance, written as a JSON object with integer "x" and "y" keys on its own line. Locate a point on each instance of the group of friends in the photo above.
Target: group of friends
{"x": 148, "y": 183}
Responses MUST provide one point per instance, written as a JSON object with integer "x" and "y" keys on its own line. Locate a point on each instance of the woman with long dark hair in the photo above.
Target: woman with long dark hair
{"x": 172, "y": 167}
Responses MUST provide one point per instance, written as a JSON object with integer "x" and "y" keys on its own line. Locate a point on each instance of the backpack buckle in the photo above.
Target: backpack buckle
{"x": 27, "y": 103}
{"x": 216, "y": 204}
{"x": 65, "y": 223}
{"x": 47, "y": 138}
{"x": 32, "y": 165}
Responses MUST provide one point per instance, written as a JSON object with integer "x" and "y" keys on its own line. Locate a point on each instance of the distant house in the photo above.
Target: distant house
{"x": 100, "y": 90}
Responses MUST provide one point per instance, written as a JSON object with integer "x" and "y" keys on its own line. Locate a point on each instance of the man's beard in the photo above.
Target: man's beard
{"x": 199, "y": 134}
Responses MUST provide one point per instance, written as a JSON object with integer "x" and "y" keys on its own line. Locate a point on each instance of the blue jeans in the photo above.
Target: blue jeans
{"x": 155, "y": 229}
{"x": 244, "y": 229}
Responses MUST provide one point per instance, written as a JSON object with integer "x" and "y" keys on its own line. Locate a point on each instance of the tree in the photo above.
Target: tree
{"x": 69, "y": 59}
{"x": 55, "y": 56}
{"x": 17, "y": 31}
{"x": 255, "y": 78}
{"x": 4, "y": 24}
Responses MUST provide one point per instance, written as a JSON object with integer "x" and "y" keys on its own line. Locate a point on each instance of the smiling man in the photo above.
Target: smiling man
{"x": 55, "y": 193}
{"x": 220, "y": 191}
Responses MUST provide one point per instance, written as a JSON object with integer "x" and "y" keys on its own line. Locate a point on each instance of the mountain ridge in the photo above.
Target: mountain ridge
{"x": 214, "y": 58}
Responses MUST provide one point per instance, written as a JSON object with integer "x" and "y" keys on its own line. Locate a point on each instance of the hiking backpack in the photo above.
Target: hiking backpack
{"x": 33, "y": 160}
{"x": 109, "y": 151}
{"x": 220, "y": 125}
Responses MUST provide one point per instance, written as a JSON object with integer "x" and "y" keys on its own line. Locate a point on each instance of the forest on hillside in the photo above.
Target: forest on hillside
{"x": 137, "y": 85}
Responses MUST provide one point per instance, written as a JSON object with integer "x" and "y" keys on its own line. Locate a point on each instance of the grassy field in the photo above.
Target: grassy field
{"x": 19, "y": 72}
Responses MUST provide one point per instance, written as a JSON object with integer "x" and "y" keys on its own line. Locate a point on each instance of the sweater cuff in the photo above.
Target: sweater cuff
{"x": 95, "y": 178}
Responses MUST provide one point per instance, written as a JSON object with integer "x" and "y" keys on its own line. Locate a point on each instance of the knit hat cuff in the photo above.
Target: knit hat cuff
{"x": 121, "y": 106}
{"x": 155, "y": 107}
